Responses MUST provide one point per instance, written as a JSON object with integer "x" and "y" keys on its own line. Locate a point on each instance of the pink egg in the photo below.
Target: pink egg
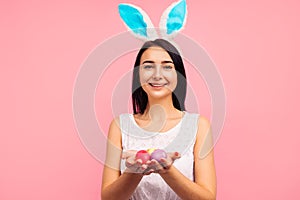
{"x": 158, "y": 154}
{"x": 143, "y": 155}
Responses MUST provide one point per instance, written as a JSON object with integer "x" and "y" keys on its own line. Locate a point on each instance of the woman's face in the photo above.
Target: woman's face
{"x": 158, "y": 76}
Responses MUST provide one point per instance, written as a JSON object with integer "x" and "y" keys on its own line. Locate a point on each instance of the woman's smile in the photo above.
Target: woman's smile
{"x": 158, "y": 85}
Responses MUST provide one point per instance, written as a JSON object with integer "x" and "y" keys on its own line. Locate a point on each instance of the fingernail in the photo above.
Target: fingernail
{"x": 176, "y": 154}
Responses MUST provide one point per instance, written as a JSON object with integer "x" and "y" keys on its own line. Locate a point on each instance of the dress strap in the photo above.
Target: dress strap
{"x": 187, "y": 134}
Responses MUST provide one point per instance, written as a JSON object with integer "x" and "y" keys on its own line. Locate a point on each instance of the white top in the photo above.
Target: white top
{"x": 180, "y": 138}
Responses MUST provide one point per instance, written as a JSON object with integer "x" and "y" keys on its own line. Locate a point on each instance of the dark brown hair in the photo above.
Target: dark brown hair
{"x": 139, "y": 96}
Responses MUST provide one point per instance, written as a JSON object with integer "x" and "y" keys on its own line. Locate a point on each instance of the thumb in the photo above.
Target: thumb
{"x": 175, "y": 155}
{"x": 127, "y": 154}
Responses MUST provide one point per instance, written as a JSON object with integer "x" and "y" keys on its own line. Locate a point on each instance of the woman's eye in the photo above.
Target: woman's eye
{"x": 148, "y": 66}
{"x": 168, "y": 67}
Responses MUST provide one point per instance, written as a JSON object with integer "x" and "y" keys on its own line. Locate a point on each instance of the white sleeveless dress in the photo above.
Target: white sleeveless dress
{"x": 180, "y": 138}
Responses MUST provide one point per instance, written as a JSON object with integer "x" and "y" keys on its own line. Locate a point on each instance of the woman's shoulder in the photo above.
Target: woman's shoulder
{"x": 115, "y": 121}
{"x": 120, "y": 116}
{"x": 202, "y": 120}
{"x": 119, "y": 119}
{"x": 202, "y": 123}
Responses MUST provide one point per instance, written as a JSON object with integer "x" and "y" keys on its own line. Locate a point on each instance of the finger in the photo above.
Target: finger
{"x": 138, "y": 162}
{"x": 127, "y": 154}
{"x": 129, "y": 164}
{"x": 124, "y": 156}
{"x": 154, "y": 163}
{"x": 161, "y": 165}
{"x": 177, "y": 154}
{"x": 144, "y": 167}
{"x": 148, "y": 162}
{"x": 174, "y": 155}
{"x": 165, "y": 163}
{"x": 138, "y": 170}
{"x": 148, "y": 171}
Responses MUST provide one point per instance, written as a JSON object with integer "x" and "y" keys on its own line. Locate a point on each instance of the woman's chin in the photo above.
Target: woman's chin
{"x": 158, "y": 94}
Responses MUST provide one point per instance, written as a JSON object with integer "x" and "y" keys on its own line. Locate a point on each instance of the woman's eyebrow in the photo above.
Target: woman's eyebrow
{"x": 163, "y": 62}
{"x": 148, "y": 61}
{"x": 167, "y": 61}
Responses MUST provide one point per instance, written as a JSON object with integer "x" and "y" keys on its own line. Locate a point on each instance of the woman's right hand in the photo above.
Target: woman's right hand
{"x": 134, "y": 165}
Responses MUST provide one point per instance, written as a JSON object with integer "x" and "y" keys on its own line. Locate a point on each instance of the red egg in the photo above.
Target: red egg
{"x": 143, "y": 155}
{"x": 158, "y": 154}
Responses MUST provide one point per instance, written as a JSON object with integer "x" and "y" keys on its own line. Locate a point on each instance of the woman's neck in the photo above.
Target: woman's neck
{"x": 158, "y": 112}
{"x": 160, "y": 109}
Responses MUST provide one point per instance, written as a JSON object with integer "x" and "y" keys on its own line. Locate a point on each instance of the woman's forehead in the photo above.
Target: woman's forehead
{"x": 156, "y": 54}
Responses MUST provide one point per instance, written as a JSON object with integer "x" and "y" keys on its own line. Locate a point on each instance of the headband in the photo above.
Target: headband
{"x": 139, "y": 24}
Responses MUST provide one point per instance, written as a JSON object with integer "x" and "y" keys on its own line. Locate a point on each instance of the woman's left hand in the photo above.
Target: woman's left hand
{"x": 164, "y": 164}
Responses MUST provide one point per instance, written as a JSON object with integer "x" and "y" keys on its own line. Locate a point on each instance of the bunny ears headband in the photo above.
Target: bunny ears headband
{"x": 138, "y": 22}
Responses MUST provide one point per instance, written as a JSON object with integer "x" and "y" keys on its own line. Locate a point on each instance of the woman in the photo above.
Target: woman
{"x": 159, "y": 89}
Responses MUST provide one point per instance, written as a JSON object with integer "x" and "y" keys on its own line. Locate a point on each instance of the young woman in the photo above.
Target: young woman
{"x": 159, "y": 121}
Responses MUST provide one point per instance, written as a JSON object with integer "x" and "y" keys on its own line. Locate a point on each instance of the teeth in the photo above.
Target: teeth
{"x": 156, "y": 85}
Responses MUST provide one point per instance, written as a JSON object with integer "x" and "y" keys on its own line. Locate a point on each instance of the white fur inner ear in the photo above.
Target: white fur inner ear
{"x": 133, "y": 20}
{"x": 175, "y": 14}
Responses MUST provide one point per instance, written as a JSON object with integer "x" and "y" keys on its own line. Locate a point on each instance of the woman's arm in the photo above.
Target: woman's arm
{"x": 114, "y": 185}
{"x": 204, "y": 186}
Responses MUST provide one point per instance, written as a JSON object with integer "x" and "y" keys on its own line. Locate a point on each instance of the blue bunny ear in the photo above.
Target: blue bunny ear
{"x": 173, "y": 19}
{"x": 137, "y": 21}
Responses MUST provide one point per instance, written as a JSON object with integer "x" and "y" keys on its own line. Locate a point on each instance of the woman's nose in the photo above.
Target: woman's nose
{"x": 157, "y": 73}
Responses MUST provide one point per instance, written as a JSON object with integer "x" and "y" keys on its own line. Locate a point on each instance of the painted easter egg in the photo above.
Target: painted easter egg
{"x": 158, "y": 154}
{"x": 143, "y": 155}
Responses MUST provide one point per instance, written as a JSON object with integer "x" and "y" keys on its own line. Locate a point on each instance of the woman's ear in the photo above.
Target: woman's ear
{"x": 137, "y": 21}
{"x": 173, "y": 19}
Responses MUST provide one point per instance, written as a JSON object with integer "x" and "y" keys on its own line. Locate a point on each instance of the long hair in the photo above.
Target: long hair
{"x": 139, "y": 96}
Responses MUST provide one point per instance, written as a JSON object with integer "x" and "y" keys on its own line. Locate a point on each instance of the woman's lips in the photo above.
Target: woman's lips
{"x": 157, "y": 85}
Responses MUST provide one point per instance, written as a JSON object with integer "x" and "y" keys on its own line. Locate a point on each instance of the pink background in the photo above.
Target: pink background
{"x": 255, "y": 45}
